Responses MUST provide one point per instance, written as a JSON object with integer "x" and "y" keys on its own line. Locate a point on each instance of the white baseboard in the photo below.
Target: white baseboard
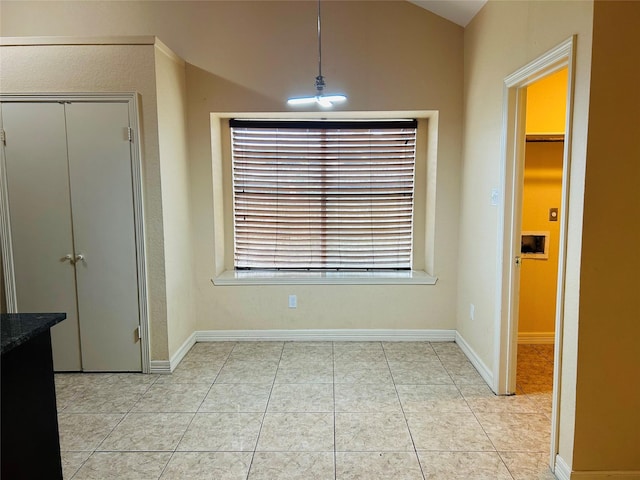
{"x": 337, "y": 335}
{"x": 473, "y": 357}
{"x": 562, "y": 471}
{"x": 168, "y": 366}
{"x": 160, "y": 366}
{"x": 537, "y": 338}
{"x": 331, "y": 335}
{"x": 177, "y": 357}
{"x": 334, "y": 335}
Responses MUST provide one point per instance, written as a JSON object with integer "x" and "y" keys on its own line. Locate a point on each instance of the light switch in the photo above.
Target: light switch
{"x": 495, "y": 196}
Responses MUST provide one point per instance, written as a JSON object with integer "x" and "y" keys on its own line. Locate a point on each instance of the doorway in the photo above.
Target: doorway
{"x": 540, "y": 236}
{"x": 537, "y": 242}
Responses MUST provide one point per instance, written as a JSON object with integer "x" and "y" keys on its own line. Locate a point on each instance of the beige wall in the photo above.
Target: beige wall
{"x": 598, "y": 405}
{"x": 251, "y": 56}
{"x": 105, "y": 68}
{"x": 502, "y": 38}
{"x": 608, "y": 386}
{"x": 159, "y": 77}
{"x": 174, "y": 168}
{"x": 365, "y": 68}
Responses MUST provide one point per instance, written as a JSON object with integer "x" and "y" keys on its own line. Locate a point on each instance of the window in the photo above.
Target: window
{"x": 323, "y": 195}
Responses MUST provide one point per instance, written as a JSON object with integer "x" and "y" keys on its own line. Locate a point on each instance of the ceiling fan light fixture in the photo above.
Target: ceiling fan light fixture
{"x": 335, "y": 98}
{"x": 325, "y": 101}
{"x": 301, "y": 101}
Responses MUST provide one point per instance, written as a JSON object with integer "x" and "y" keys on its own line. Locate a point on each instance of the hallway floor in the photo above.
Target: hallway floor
{"x": 312, "y": 410}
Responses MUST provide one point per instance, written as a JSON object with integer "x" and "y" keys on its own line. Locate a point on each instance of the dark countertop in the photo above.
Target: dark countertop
{"x": 18, "y": 328}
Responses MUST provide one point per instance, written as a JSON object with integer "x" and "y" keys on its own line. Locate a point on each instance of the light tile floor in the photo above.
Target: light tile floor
{"x": 274, "y": 410}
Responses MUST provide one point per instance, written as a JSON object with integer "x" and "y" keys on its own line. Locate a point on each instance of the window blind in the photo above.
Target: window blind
{"x": 323, "y": 195}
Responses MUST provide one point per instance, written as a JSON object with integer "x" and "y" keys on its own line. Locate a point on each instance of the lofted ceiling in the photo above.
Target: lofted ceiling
{"x": 457, "y": 11}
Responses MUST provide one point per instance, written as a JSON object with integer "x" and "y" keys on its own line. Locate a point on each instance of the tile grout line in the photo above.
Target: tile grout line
{"x": 195, "y": 413}
{"x": 537, "y": 409}
{"x": 58, "y": 421}
{"x": 505, "y": 464}
{"x": 333, "y": 389}
{"x": 474, "y": 415}
{"x": 484, "y": 431}
{"x": 266, "y": 408}
{"x": 93, "y": 451}
{"x": 404, "y": 415}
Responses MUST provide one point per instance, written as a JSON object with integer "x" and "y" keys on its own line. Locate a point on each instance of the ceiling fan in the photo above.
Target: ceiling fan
{"x": 320, "y": 98}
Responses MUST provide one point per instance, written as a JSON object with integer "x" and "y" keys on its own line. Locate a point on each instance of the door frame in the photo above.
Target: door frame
{"x": 132, "y": 100}
{"x": 512, "y": 174}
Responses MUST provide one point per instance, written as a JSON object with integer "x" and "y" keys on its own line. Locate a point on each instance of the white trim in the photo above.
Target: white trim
{"x": 162, "y": 47}
{"x": 550, "y": 62}
{"x": 177, "y": 357}
{"x": 38, "y": 41}
{"x": 132, "y": 100}
{"x": 508, "y": 245}
{"x": 333, "y": 335}
{"x": 484, "y": 371}
{"x": 506, "y": 319}
{"x": 348, "y": 115}
{"x": 263, "y": 277}
{"x": 217, "y": 119}
{"x": 536, "y": 338}
{"x": 562, "y": 251}
{"x": 58, "y": 97}
{"x": 562, "y": 471}
{"x": 168, "y": 366}
{"x": 160, "y": 366}
{"x": 138, "y": 213}
{"x": 6, "y": 245}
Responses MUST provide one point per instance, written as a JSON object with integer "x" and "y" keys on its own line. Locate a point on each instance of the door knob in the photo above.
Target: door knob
{"x": 79, "y": 258}
{"x": 69, "y": 257}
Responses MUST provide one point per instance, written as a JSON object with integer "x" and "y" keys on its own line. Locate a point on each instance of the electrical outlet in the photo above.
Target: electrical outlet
{"x": 293, "y": 301}
{"x": 472, "y": 311}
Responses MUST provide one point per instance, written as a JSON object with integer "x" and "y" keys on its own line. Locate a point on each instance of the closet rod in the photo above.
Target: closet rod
{"x": 552, "y": 137}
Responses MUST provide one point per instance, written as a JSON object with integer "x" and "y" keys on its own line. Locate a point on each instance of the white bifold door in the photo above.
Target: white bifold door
{"x": 71, "y": 214}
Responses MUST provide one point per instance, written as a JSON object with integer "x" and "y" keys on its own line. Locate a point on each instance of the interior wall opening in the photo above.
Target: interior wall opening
{"x": 541, "y": 221}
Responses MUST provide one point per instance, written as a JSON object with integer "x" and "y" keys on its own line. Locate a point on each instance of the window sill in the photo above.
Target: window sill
{"x": 253, "y": 277}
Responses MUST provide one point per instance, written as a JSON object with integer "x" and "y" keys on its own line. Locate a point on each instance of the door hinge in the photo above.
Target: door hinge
{"x": 518, "y": 260}
{"x": 138, "y": 334}
{"x": 130, "y": 134}
{"x": 3, "y": 137}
